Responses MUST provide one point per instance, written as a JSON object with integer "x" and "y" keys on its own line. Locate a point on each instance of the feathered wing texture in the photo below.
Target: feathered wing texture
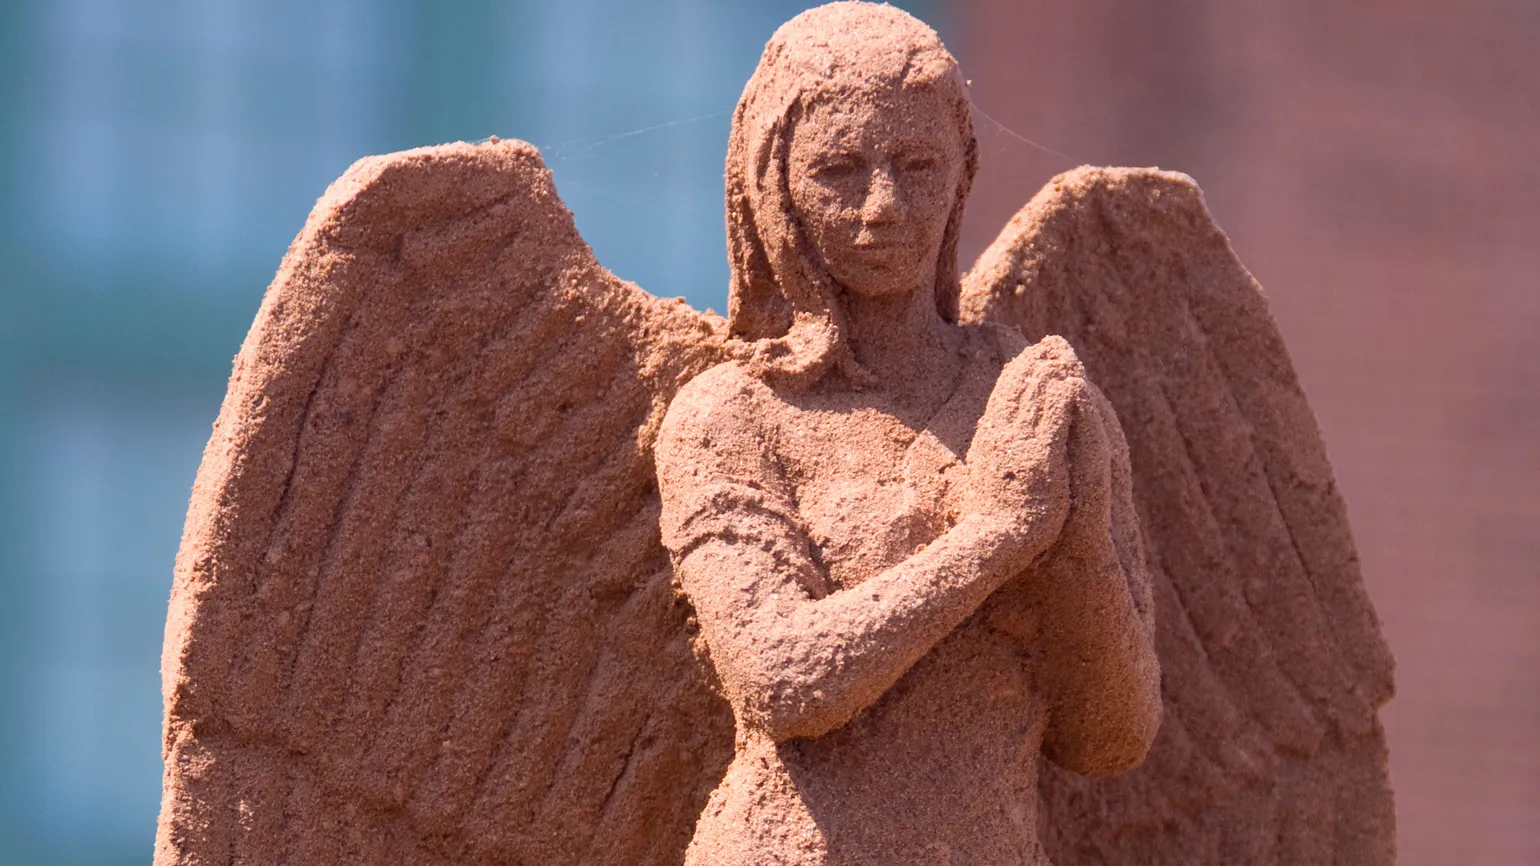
{"x": 1273, "y": 665}
{"x": 421, "y": 613}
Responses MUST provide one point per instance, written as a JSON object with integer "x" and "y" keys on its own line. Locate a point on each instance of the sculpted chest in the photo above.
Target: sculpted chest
{"x": 845, "y": 468}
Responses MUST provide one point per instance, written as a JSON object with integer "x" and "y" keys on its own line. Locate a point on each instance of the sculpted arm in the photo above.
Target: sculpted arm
{"x": 795, "y": 659}
{"x": 796, "y": 665}
{"x": 1093, "y": 591}
{"x": 1090, "y": 594}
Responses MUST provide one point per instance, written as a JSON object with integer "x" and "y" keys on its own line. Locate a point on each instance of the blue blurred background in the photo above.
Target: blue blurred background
{"x": 158, "y": 157}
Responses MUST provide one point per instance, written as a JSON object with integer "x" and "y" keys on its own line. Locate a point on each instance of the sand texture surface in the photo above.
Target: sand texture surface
{"x": 496, "y": 558}
{"x": 421, "y": 614}
{"x": 1272, "y": 658}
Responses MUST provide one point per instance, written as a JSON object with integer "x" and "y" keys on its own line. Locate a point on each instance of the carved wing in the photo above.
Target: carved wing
{"x": 1273, "y": 664}
{"x": 421, "y": 613}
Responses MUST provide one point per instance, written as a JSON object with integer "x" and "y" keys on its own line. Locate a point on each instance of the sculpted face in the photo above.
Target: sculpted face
{"x": 873, "y": 180}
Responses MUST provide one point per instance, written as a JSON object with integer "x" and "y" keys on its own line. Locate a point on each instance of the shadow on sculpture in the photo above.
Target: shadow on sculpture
{"x": 494, "y": 557}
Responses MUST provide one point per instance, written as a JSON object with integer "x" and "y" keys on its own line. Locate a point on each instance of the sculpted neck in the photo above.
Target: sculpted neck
{"x": 897, "y": 336}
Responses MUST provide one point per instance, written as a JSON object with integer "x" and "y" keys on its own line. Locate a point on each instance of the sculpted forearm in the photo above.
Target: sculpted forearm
{"x": 795, "y": 666}
{"x": 795, "y": 659}
{"x": 1102, "y": 672}
{"x": 1105, "y": 685}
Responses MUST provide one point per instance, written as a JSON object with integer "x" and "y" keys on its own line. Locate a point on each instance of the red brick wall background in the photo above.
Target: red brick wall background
{"x": 1377, "y": 166}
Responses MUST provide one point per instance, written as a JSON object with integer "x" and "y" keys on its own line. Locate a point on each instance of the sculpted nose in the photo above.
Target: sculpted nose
{"x": 881, "y": 204}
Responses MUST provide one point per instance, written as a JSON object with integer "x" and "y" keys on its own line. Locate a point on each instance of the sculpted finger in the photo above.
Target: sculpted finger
{"x": 1108, "y": 416}
{"x": 1090, "y": 473}
{"x": 1047, "y": 366}
{"x": 1095, "y": 445}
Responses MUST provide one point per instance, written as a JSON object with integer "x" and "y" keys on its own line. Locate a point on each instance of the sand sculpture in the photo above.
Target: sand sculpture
{"x": 495, "y": 558}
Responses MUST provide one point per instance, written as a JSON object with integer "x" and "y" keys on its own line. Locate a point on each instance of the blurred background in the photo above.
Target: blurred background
{"x": 1374, "y": 163}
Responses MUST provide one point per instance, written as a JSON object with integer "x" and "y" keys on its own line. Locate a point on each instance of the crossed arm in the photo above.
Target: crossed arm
{"x": 794, "y": 665}
{"x": 795, "y": 659}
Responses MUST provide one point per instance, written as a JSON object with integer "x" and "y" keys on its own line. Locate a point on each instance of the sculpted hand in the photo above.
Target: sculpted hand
{"x": 1090, "y": 454}
{"x": 1018, "y": 463}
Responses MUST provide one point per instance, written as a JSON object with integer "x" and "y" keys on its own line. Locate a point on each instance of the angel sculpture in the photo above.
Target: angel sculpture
{"x": 496, "y": 558}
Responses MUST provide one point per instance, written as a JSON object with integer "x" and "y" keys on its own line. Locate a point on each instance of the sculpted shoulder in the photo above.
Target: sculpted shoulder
{"x": 720, "y": 412}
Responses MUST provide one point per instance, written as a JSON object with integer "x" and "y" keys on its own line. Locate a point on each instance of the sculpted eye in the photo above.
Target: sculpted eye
{"x": 918, "y": 164}
{"x": 835, "y": 168}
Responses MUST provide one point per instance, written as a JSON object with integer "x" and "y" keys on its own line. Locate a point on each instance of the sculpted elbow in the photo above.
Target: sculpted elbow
{"x": 1112, "y": 739}
{"x": 786, "y": 709}
{"x": 786, "y": 700}
{"x": 1106, "y": 756}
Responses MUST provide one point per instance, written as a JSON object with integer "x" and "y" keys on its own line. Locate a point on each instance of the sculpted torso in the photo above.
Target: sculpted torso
{"x": 855, "y": 509}
{"x": 862, "y": 483}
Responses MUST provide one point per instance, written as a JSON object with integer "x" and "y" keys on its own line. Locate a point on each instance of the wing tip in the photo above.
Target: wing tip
{"x": 1109, "y": 176}
{"x": 1054, "y": 215}
{"x": 1148, "y": 186}
{"x": 420, "y": 171}
{"x": 368, "y": 170}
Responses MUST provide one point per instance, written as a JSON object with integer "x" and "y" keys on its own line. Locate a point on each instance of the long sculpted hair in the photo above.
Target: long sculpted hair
{"x": 782, "y": 301}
